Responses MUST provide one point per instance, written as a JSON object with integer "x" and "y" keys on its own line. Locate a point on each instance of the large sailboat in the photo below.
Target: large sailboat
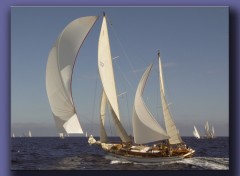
{"x": 167, "y": 145}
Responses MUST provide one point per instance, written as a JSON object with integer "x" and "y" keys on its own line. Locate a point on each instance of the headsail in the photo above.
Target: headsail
{"x": 107, "y": 77}
{"x": 145, "y": 127}
{"x": 103, "y": 134}
{"x": 59, "y": 70}
{"x": 171, "y": 128}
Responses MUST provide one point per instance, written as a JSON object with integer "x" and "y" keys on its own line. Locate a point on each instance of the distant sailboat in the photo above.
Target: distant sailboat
{"x": 29, "y": 133}
{"x": 61, "y": 135}
{"x": 195, "y": 133}
{"x": 13, "y": 135}
{"x": 86, "y": 134}
{"x": 209, "y": 134}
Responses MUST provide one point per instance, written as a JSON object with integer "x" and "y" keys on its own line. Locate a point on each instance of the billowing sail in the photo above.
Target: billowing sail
{"x": 171, "y": 128}
{"x": 145, "y": 127}
{"x": 107, "y": 77}
{"x": 195, "y": 133}
{"x": 59, "y": 70}
{"x": 103, "y": 134}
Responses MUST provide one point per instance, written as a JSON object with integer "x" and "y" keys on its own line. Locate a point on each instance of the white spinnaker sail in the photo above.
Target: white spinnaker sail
{"x": 171, "y": 128}
{"x": 145, "y": 127}
{"x": 59, "y": 70}
{"x": 107, "y": 77}
{"x": 195, "y": 133}
{"x": 103, "y": 134}
{"x": 29, "y": 134}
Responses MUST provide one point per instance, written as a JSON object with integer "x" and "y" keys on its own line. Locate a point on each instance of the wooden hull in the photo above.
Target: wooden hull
{"x": 148, "y": 159}
{"x": 142, "y": 156}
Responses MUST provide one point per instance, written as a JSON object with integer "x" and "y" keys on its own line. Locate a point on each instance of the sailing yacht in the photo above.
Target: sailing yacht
{"x": 168, "y": 144}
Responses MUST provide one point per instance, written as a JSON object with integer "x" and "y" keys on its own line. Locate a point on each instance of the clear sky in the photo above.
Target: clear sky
{"x": 194, "y": 47}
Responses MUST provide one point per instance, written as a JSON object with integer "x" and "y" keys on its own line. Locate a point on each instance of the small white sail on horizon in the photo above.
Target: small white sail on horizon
{"x": 61, "y": 135}
{"x": 13, "y": 135}
{"x": 195, "y": 133}
{"x": 209, "y": 133}
{"x": 29, "y": 133}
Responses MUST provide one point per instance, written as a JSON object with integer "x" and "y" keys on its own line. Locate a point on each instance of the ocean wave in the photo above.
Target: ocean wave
{"x": 207, "y": 162}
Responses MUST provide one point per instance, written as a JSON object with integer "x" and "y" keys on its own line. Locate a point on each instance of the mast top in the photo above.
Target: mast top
{"x": 158, "y": 53}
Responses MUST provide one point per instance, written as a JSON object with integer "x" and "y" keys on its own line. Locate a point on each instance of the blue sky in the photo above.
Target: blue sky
{"x": 193, "y": 42}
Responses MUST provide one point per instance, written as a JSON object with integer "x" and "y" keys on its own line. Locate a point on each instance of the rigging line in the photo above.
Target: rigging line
{"x": 129, "y": 126}
{"x": 108, "y": 114}
{"x": 123, "y": 75}
{"x": 125, "y": 91}
{"x": 94, "y": 100}
{"x": 121, "y": 45}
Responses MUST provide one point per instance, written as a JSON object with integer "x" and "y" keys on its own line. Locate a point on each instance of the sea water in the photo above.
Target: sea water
{"x": 74, "y": 153}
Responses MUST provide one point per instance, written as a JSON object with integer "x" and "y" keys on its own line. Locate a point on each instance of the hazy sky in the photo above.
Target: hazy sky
{"x": 193, "y": 42}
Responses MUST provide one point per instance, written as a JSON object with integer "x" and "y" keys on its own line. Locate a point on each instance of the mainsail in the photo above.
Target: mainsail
{"x": 59, "y": 70}
{"x": 107, "y": 77}
{"x": 145, "y": 127}
{"x": 171, "y": 128}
